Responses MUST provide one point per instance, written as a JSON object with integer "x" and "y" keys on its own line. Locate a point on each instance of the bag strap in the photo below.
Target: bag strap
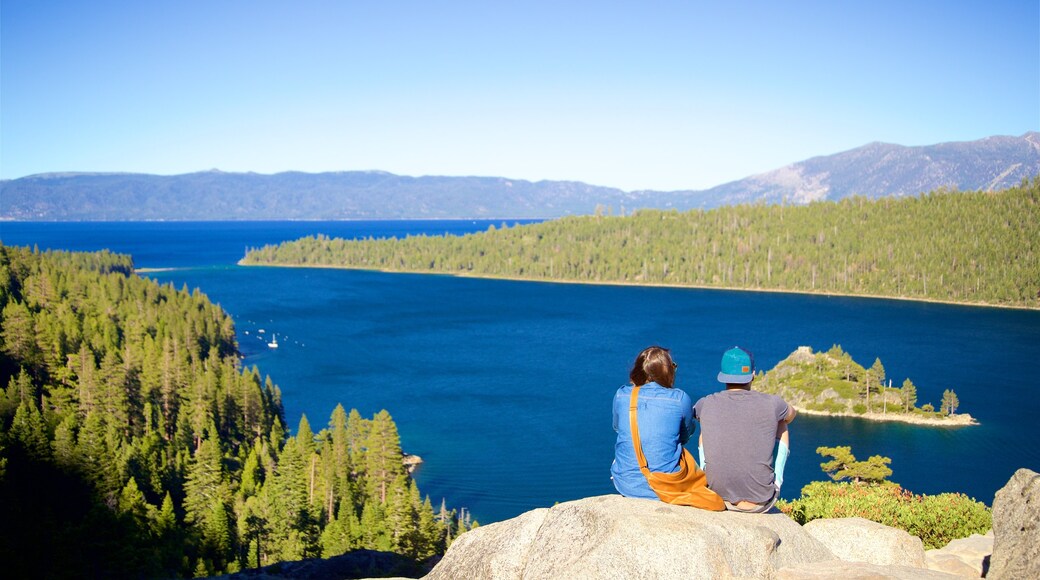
{"x": 634, "y": 424}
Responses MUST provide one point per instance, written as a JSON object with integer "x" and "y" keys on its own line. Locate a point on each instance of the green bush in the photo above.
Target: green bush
{"x": 936, "y": 519}
{"x": 859, "y": 408}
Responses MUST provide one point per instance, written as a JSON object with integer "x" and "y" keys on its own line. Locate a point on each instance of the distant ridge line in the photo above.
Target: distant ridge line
{"x": 873, "y": 170}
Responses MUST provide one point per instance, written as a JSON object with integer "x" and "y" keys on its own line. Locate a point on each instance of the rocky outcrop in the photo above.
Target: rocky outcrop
{"x": 968, "y": 557}
{"x": 356, "y": 564}
{"x": 1016, "y": 528}
{"x": 841, "y": 570}
{"x": 861, "y": 540}
{"x": 617, "y": 537}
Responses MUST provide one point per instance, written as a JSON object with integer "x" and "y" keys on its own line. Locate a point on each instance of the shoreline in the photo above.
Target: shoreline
{"x": 955, "y": 420}
{"x": 649, "y": 285}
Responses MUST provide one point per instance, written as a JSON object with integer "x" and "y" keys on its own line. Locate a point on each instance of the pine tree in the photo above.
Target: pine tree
{"x": 843, "y": 465}
{"x": 204, "y": 484}
{"x": 29, "y": 430}
{"x": 94, "y": 454}
{"x": 338, "y": 458}
{"x": 294, "y": 531}
{"x": 337, "y": 537}
{"x": 401, "y": 517}
{"x": 133, "y": 505}
{"x": 216, "y": 536}
{"x": 374, "y": 533}
{"x": 64, "y": 444}
{"x": 430, "y": 532}
{"x": 255, "y": 530}
{"x": 18, "y": 336}
{"x": 909, "y": 395}
{"x": 252, "y": 472}
{"x": 949, "y": 402}
{"x": 166, "y": 520}
{"x": 382, "y": 457}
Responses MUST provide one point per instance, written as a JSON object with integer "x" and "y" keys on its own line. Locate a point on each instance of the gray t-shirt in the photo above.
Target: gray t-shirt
{"x": 738, "y": 429}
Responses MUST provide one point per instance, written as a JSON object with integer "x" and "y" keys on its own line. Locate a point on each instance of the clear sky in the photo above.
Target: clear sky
{"x": 634, "y": 95}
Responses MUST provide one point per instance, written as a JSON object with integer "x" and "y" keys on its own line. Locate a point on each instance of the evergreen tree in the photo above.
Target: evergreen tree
{"x": 204, "y": 485}
{"x": 949, "y": 402}
{"x": 382, "y": 456}
{"x": 338, "y": 536}
{"x": 909, "y": 395}
{"x": 843, "y": 465}
{"x": 401, "y": 518}
{"x": 64, "y": 444}
{"x": 252, "y": 472}
{"x": 166, "y": 521}
{"x": 430, "y": 531}
{"x": 29, "y": 431}
{"x": 216, "y": 536}
{"x": 133, "y": 505}
{"x": 374, "y": 532}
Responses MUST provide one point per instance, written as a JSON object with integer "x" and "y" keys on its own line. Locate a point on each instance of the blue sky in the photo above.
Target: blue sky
{"x": 635, "y": 95}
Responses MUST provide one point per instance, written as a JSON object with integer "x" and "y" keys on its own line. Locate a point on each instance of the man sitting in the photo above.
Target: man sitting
{"x": 738, "y": 429}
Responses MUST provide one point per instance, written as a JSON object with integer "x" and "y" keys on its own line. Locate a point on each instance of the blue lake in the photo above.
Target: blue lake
{"x": 505, "y": 388}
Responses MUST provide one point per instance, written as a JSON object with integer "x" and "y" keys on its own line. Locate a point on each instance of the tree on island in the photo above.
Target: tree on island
{"x": 909, "y": 395}
{"x": 949, "y": 402}
{"x": 843, "y": 465}
{"x": 875, "y": 376}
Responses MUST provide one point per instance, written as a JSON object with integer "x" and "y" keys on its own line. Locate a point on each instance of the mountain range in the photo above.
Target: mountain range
{"x": 873, "y": 170}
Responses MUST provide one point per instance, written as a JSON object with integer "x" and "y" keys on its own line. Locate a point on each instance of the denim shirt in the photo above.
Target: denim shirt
{"x": 665, "y": 423}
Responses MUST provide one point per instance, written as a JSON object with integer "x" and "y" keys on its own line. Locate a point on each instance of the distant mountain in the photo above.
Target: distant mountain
{"x": 874, "y": 170}
{"x": 214, "y": 195}
{"x": 882, "y": 169}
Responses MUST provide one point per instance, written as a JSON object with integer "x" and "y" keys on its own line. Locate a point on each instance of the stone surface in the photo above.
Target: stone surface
{"x": 968, "y": 557}
{"x": 356, "y": 564}
{"x": 616, "y": 537}
{"x": 840, "y": 570}
{"x": 1016, "y": 528}
{"x": 861, "y": 540}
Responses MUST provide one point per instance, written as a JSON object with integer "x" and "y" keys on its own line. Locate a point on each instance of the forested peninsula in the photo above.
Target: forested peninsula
{"x": 134, "y": 444}
{"x": 832, "y": 383}
{"x": 965, "y": 247}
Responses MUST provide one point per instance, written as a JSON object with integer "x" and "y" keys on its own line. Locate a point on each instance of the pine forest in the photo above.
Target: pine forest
{"x": 967, "y": 247}
{"x": 133, "y": 443}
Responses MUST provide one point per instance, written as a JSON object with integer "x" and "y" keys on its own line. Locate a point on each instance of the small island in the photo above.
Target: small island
{"x": 831, "y": 383}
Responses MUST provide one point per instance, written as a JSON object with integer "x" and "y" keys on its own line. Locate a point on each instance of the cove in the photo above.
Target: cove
{"x": 504, "y": 387}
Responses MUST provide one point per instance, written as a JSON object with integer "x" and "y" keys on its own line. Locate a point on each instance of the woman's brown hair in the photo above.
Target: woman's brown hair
{"x": 653, "y": 364}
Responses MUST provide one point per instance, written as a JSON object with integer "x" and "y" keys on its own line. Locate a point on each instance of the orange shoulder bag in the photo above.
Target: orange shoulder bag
{"x": 688, "y": 486}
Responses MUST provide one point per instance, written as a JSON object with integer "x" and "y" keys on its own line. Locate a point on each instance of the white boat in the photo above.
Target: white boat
{"x": 274, "y": 342}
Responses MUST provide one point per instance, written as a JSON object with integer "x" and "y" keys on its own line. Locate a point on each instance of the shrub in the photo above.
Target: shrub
{"x": 936, "y": 519}
{"x": 859, "y": 408}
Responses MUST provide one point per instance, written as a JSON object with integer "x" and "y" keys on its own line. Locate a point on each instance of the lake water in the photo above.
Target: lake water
{"x": 505, "y": 388}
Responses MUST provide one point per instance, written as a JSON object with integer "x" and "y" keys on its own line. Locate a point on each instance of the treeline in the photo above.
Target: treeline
{"x": 833, "y": 382}
{"x": 974, "y": 247}
{"x": 132, "y": 443}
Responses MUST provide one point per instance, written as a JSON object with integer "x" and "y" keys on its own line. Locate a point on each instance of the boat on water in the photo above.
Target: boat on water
{"x": 274, "y": 342}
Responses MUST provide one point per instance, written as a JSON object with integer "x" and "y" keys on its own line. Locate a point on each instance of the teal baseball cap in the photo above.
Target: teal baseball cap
{"x": 738, "y": 366}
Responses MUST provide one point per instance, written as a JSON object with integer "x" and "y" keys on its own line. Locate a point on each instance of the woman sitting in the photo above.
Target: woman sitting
{"x": 664, "y": 418}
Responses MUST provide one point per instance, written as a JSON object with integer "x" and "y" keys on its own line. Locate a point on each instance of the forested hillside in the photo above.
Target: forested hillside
{"x": 972, "y": 247}
{"x": 132, "y": 443}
